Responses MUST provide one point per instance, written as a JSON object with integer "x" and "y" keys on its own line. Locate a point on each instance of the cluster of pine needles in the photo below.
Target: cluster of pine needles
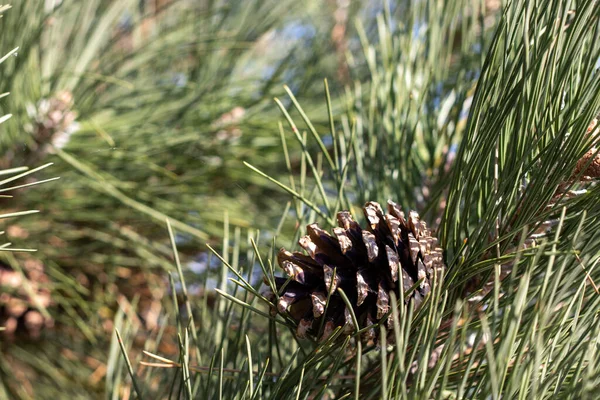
{"x": 478, "y": 115}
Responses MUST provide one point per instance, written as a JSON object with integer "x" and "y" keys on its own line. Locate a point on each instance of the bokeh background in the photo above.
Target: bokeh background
{"x": 146, "y": 109}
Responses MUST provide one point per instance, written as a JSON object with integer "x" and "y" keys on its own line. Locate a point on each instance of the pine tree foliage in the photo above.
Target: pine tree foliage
{"x": 144, "y": 114}
{"x": 22, "y": 298}
{"x": 13, "y": 174}
{"x": 512, "y": 212}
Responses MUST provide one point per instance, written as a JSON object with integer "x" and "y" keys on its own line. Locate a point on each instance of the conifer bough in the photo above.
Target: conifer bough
{"x": 393, "y": 254}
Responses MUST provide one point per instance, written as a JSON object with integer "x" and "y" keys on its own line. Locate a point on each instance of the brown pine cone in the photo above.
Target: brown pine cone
{"x": 393, "y": 252}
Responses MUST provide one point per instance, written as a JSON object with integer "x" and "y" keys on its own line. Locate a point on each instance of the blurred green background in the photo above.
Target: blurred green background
{"x": 147, "y": 109}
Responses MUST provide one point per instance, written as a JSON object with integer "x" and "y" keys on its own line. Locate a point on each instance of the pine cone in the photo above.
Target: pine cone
{"x": 18, "y": 306}
{"x": 590, "y": 162}
{"x": 366, "y": 264}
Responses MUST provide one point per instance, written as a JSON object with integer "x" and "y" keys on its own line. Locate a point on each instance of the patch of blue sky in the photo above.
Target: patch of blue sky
{"x": 297, "y": 30}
